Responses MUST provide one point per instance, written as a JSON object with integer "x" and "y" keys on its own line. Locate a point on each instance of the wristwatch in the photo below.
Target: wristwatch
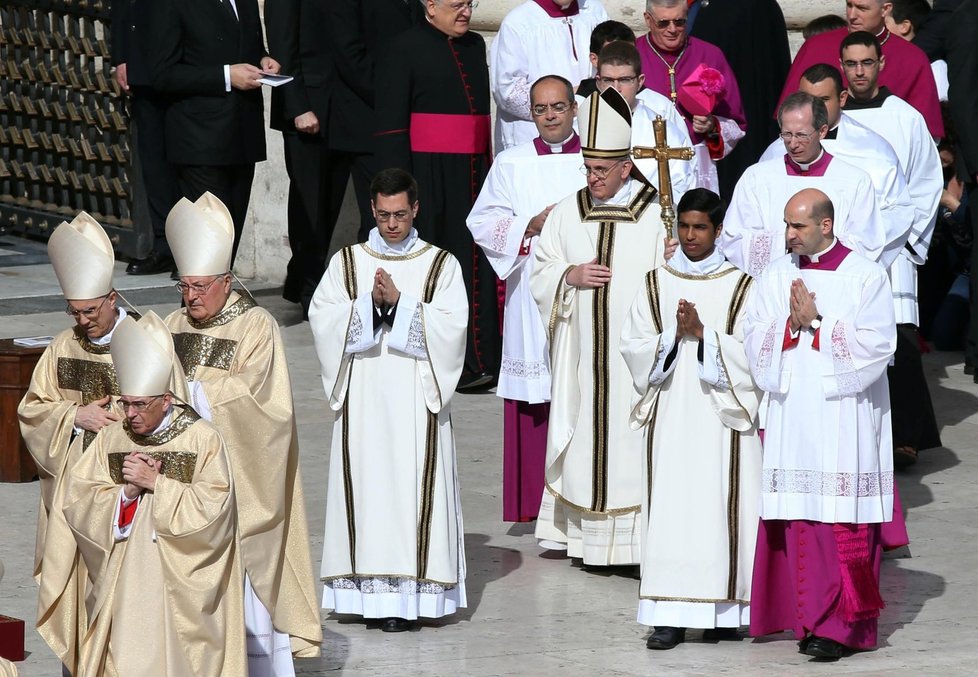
{"x": 816, "y": 323}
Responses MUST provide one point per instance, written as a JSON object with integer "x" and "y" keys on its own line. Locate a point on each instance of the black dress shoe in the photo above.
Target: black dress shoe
{"x": 154, "y": 264}
{"x": 720, "y": 634}
{"x": 822, "y": 647}
{"x": 396, "y": 625}
{"x": 803, "y": 644}
{"x": 471, "y": 380}
{"x": 665, "y": 637}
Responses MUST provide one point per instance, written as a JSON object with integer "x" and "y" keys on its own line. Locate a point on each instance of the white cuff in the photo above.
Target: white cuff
{"x": 198, "y": 400}
{"x": 711, "y": 369}
{"x": 227, "y": 78}
{"x": 660, "y": 372}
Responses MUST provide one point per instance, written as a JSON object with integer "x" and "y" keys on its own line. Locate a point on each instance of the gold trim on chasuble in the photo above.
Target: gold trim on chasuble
{"x": 179, "y": 425}
{"x": 431, "y": 440}
{"x": 396, "y": 257}
{"x": 177, "y": 465}
{"x": 94, "y": 380}
{"x": 232, "y": 312}
{"x": 201, "y": 350}
{"x": 733, "y": 499}
{"x": 601, "y": 372}
{"x": 350, "y": 283}
{"x": 630, "y": 213}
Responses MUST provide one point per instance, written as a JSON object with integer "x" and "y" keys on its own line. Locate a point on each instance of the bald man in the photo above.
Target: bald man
{"x": 820, "y": 334}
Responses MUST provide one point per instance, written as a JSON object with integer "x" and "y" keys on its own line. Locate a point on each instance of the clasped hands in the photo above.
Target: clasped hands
{"x": 592, "y": 274}
{"x": 802, "y": 306}
{"x": 384, "y": 293}
{"x": 139, "y": 472}
{"x": 688, "y": 321}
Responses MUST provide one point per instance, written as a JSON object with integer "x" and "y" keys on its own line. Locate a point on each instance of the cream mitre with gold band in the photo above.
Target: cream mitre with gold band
{"x": 605, "y": 121}
{"x": 201, "y": 236}
{"x": 144, "y": 359}
{"x": 82, "y": 256}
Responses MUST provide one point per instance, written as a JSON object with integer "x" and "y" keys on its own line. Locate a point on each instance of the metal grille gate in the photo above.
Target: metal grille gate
{"x": 65, "y": 141}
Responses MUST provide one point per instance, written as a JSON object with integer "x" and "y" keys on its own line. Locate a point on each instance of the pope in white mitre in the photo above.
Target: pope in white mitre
{"x": 389, "y": 320}
{"x": 592, "y": 257}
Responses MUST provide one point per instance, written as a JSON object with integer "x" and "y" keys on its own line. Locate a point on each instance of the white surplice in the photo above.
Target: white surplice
{"x": 648, "y": 105}
{"x": 521, "y": 184}
{"x": 593, "y": 476}
{"x": 393, "y": 545}
{"x": 700, "y": 508}
{"x": 906, "y": 131}
{"x": 529, "y": 45}
{"x": 828, "y": 452}
{"x": 860, "y": 146}
{"x": 753, "y": 229}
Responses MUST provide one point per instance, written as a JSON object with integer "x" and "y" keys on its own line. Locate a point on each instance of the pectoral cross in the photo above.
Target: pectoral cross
{"x": 662, "y": 153}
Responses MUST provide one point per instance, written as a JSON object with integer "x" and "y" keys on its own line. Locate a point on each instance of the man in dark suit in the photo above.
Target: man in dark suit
{"x": 147, "y": 114}
{"x": 208, "y": 56}
{"x": 326, "y": 117}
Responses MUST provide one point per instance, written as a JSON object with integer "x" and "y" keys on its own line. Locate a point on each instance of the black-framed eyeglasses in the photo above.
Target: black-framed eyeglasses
{"x": 865, "y": 63}
{"x": 663, "y": 24}
{"x": 198, "y": 288}
{"x": 138, "y": 406}
{"x": 542, "y": 108}
{"x": 600, "y": 173}
{"x": 627, "y": 80}
{"x": 88, "y": 313}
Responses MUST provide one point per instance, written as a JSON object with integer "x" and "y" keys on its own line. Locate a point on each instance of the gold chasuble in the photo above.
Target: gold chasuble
{"x": 239, "y": 359}
{"x": 393, "y": 545}
{"x": 594, "y": 460}
{"x": 168, "y": 599}
{"x": 72, "y": 372}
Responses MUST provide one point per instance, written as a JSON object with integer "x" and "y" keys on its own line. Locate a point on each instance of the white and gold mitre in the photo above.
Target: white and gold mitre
{"x": 82, "y": 256}
{"x": 143, "y": 356}
{"x": 201, "y": 235}
{"x": 605, "y": 124}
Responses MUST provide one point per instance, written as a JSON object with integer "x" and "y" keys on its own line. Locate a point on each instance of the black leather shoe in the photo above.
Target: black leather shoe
{"x": 474, "y": 380}
{"x": 151, "y": 265}
{"x": 822, "y": 647}
{"x": 803, "y": 644}
{"x": 720, "y": 634}
{"x": 396, "y": 625}
{"x": 665, "y": 637}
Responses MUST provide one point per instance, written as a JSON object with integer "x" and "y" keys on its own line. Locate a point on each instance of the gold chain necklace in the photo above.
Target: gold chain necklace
{"x": 672, "y": 69}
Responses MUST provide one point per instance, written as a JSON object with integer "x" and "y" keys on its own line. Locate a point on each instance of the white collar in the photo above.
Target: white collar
{"x": 804, "y": 166}
{"x": 377, "y": 242}
{"x": 814, "y": 257}
{"x": 107, "y": 339}
{"x": 165, "y": 423}
{"x": 621, "y": 198}
{"x": 559, "y": 147}
{"x": 706, "y": 266}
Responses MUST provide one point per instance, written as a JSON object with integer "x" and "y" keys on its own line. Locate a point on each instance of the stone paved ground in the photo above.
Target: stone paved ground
{"x": 530, "y": 614}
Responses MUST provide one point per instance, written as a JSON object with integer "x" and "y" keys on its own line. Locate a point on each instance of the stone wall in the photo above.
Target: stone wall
{"x": 264, "y": 250}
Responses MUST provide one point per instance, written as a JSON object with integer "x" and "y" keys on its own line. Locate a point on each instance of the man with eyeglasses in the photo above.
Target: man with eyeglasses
{"x": 672, "y": 61}
{"x": 908, "y": 73}
{"x": 537, "y": 38}
{"x": 753, "y": 233}
{"x": 619, "y": 66}
{"x": 914, "y": 422}
{"x": 152, "y": 506}
{"x": 68, "y": 402}
{"x": 389, "y": 321}
{"x": 589, "y": 263}
{"x": 434, "y": 123}
{"x": 232, "y": 353}
{"x": 524, "y": 184}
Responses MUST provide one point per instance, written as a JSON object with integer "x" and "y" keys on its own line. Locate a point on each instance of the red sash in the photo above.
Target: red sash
{"x": 443, "y": 133}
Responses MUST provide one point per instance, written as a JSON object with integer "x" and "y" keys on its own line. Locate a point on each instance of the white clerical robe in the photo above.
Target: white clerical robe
{"x": 393, "y": 545}
{"x": 522, "y": 182}
{"x": 533, "y": 42}
{"x": 861, "y": 147}
{"x": 648, "y": 105}
{"x": 828, "y": 453}
{"x": 593, "y": 473}
{"x": 753, "y": 229}
{"x": 702, "y": 481}
{"x": 906, "y": 131}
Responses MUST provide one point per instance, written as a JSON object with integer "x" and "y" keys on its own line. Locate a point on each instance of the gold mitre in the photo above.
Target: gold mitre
{"x": 144, "y": 359}
{"x": 82, "y": 256}
{"x": 605, "y": 124}
{"x": 201, "y": 235}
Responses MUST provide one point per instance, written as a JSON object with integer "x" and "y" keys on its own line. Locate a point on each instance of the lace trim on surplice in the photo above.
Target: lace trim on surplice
{"x": 816, "y": 482}
{"x": 846, "y": 378}
{"x": 373, "y": 585}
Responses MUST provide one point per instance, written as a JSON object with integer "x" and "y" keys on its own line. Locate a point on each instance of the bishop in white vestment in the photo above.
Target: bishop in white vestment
{"x": 753, "y": 233}
{"x": 523, "y": 185}
{"x": 592, "y": 257}
{"x": 697, "y": 405}
{"x": 389, "y": 320}
{"x": 819, "y": 336}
